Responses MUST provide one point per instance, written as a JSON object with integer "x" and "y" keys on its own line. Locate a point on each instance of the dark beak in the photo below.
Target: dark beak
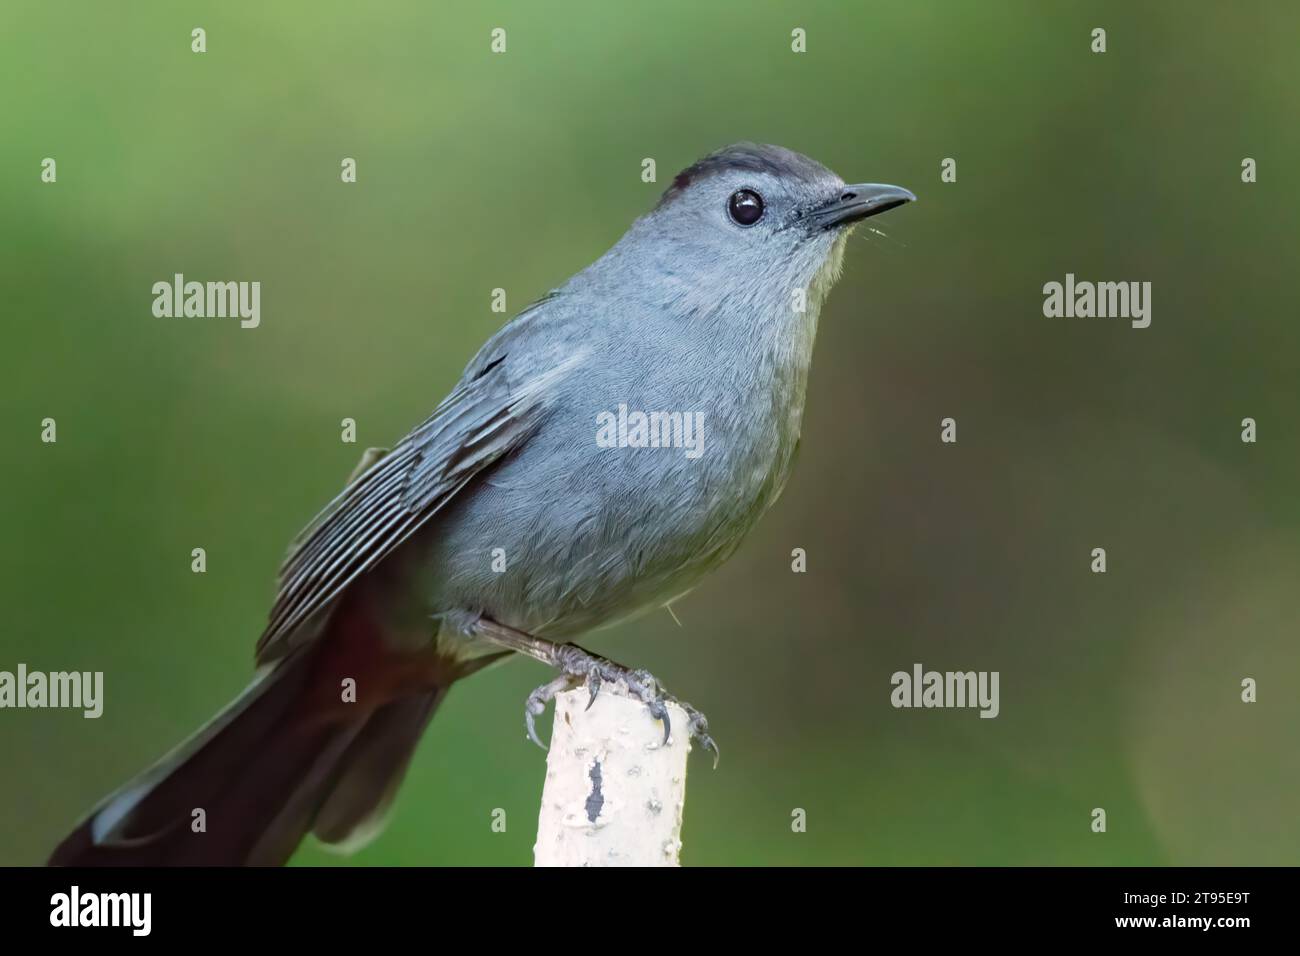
{"x": 858, "y": 202}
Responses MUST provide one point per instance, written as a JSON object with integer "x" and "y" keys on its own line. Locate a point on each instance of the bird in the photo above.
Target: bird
{"x": 601, "y": 453}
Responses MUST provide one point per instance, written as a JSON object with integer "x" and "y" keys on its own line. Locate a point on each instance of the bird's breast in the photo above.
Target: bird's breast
{"x": 645, "y": 475}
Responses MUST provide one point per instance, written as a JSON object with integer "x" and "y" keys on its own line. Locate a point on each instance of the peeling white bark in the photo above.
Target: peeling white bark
{"x": 614, "y": 791}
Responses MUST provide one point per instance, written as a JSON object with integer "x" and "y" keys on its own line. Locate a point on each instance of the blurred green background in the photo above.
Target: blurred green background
{"x": 479, "y": 171}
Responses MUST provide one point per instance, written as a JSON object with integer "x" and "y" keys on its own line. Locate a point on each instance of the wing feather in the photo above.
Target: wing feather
{"x": 480, "y": 422}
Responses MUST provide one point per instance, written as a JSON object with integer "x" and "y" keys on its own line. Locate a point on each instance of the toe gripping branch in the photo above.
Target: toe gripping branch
{"x": 577, "y": 667}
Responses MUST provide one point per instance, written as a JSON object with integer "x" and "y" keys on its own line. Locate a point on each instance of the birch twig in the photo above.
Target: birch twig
{"x": 614, "y": 791}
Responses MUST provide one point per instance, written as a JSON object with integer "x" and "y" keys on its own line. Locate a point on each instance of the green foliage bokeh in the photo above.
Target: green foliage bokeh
{"x": 479, "y": 171}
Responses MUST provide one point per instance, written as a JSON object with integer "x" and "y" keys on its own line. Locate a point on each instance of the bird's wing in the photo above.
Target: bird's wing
{"x": 483, "y": 419}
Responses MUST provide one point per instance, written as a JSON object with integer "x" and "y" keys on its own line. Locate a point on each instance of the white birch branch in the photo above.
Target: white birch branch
{"x": 614, "y": 792}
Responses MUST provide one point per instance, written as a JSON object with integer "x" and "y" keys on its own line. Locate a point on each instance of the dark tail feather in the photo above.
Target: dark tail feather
{"x": 257, "y": 771}
{"x": 370, "y": 771}
{"x": 374, "y": 765}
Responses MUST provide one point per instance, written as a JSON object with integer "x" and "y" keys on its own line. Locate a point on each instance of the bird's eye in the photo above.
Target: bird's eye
{"x": 746, "y": 207}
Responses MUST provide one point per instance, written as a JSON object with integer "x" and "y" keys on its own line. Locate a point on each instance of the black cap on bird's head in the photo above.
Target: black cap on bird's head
{"x": 814, "y": 197}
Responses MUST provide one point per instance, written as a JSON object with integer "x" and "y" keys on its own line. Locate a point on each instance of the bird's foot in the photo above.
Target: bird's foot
{"x": 536, "y": 703}
{"x": 578, "y": 667}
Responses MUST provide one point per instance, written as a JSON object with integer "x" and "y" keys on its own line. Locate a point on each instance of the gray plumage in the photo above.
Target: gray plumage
{"x": 690, "y": 312}
{"x": 593, "y": 534}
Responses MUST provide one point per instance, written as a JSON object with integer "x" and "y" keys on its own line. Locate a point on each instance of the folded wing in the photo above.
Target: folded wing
{"x": 479, "y": 423}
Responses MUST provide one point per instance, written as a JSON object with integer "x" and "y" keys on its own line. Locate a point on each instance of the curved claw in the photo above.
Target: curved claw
{"x": 707, "y": 743}
{"x": 660, "y": 712}
{"x": 593, "y": 682}
{"x": 700, "y": 733}
{"x": 534, "y": 707}
{"x": 536, "y": 703}
{"x": 530, "y": 721}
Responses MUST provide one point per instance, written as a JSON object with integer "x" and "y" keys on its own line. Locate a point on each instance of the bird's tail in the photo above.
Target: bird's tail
{"x": 248, "y": 786}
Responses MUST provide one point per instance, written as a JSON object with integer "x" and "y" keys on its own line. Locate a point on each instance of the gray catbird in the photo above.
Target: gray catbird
{"x": 601, "y": 453}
